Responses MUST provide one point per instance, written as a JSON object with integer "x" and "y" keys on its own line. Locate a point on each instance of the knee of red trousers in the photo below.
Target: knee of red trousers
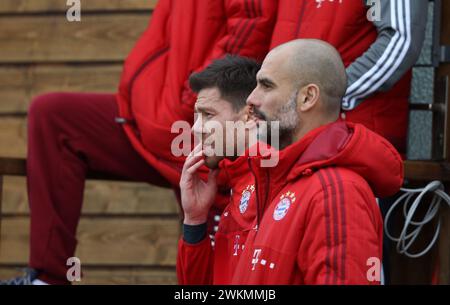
{"x": 44, "y": 103}
{"x": 43, "y": 108}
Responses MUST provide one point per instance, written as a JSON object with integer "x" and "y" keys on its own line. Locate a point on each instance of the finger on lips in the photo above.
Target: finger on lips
{"x": 194, "y": 156}
{"x": 196, "y": 166}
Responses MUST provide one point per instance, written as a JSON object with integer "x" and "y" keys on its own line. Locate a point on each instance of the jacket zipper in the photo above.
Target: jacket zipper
{"x": 258, "y": 199}
{"x": 267, "y": 189}
{"x": 257, "y": 193}
{"x": 141, "y": 68}
{"x": 131, "y": 121}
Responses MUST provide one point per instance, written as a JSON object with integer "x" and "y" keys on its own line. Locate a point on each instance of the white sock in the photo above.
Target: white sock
{"x": 38, "y": 282}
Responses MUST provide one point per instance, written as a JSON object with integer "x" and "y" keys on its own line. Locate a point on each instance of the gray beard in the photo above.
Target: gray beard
{"x": 289, "y": 122}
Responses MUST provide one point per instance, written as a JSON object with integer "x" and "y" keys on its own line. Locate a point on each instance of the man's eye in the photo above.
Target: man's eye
{"x": 209, "y": 115}
{"x": 264, "y": 86}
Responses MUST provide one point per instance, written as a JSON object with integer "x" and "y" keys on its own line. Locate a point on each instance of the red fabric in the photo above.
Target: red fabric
{"x": 330, "y": 229}
{"x": 153, "y": 94}
{"x": 183, "y": 36}
{"x": 153, "y": 91}
{"x": 70, "y": 135}
{"x": 344, "y": 24}
{"x": 386, "y": 116}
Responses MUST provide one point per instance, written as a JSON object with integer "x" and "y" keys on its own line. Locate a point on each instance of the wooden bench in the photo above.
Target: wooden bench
{"x": 119, "y": 246}
{"x": 128, "y": 231}
{"x": 138, "y": 266}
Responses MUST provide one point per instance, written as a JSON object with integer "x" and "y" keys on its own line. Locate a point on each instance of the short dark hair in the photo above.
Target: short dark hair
{"x": 234, "y": 76}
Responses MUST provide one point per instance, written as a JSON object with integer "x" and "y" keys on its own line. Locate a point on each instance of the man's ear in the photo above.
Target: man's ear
{"x": 308, "y": 97}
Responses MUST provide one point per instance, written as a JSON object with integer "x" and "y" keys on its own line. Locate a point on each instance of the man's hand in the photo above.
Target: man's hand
{"x": 197, "y": 196}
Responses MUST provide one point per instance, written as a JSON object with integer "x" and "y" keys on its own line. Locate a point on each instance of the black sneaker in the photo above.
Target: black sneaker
{"x": 26, "y": 279}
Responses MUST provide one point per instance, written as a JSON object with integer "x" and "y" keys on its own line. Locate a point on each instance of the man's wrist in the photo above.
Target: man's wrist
{"x": 193, "y": 234}
{"x": 194, "y": 221}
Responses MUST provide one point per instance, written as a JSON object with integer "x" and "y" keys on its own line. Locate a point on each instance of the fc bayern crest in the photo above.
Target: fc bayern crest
{"x": 283, "y": 206}
{"x": 246, "y": 194}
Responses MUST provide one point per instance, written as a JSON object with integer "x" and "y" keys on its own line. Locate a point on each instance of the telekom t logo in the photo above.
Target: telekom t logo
{"x": 236, "y": 245}
{"x": 255, "y": 259}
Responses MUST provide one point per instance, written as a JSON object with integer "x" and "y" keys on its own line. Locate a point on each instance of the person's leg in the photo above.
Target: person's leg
{"x": 69, "y": 135}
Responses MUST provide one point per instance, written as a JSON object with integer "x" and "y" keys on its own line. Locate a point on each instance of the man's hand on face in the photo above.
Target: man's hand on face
{"x": 197, "y": 196}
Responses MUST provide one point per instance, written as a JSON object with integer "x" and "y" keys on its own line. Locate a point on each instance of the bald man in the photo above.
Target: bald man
{"x": 317, "y": 69}
{"x": 313, "y": 218}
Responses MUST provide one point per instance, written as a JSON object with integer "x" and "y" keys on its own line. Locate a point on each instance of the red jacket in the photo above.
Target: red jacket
{"x": 388, "y": 46}
{"x": 312, "y": 219}
{"x": 183, "y": 36}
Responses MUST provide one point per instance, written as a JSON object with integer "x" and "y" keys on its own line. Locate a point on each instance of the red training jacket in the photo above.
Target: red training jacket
{"x": 378, "y": 54}
{"x": 182, "y": 37}
{"x": 312, "y": 219}
{"x": 185, "y": 35}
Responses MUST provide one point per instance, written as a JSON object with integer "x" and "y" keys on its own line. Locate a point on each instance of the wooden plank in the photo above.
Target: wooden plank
{"x": 12, "y": 166}
{"x": 44, "y": 6}
{"x": 444, "y": 238}
{"x": 427, "y": 170}
{"x": 19, "y": 84}
{"x": 103, "y": 241}
{"x": 443, "y": 75}
{"x": 101, "y": 198}
{"x": 103, "y": 37}
{"x": 444, "y": 245}
{"x": 1, "y": 206}
{"x": 445, "y": 26}
{"x": 16, "y": 166}
{"x": 13, "y": 137}
{"x": 412, "y": 271}
{"x": 444, "y": 70}
{"x": 132, "y": 276}
{"x": 112, "y": 275}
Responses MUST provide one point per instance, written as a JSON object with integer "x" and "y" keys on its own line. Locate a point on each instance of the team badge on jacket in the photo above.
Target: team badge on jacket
{"x": 246, "y": 194}
{"x": 282, "y": 207}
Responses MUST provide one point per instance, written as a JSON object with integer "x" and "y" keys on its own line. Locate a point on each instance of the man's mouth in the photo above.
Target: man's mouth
{"x": 255, "y": 115}
{"x": 208, "y": 147}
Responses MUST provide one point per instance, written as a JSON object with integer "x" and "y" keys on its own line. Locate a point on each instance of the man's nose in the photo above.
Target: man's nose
{"x": 253, "y": 100}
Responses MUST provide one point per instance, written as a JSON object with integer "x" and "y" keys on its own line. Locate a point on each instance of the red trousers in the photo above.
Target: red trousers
{"x": 69, "y": 136}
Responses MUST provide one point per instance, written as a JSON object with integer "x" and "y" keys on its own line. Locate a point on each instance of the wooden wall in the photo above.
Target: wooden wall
{"x": 128, "y": 231}
{"x": 436, "y": 263}
{"x": 444, "y": 238}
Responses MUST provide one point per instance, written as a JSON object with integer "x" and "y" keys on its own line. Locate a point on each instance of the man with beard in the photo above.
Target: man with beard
{"x": 315, "y": 220}
{"x": 127, "y": 135}
{"x": 222, "y": 89}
